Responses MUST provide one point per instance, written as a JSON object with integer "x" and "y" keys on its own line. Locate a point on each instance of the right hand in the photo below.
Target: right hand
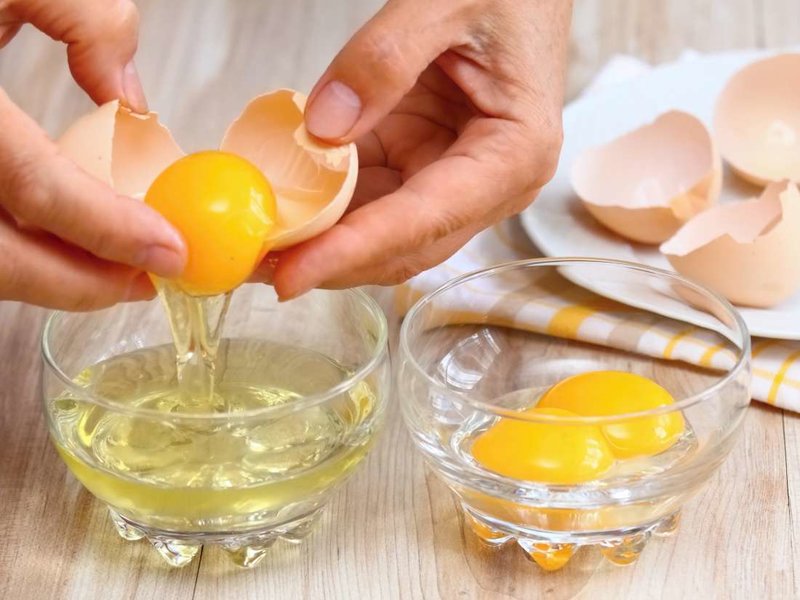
{"x": 67, "y": 240}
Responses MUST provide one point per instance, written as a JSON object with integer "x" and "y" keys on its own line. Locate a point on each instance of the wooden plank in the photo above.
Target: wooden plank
{"x": 734, "y": 539}
{"x": 658, "y": 31}
{"x": 369, "y": 544}
{"x": 779, "y": 23}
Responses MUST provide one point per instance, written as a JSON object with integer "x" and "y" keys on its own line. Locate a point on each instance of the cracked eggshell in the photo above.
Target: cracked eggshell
{"x": 747, "y": 251}
{"x": 647, "y": 183}
{"x": 313, "y": 181}
{"x": 757, "y": 120}
{"x": 121, "y": 148}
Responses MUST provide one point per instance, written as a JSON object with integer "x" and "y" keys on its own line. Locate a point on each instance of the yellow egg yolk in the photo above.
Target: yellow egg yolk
{"x": 224, "y": 208}
{"x": 605, "y": 393}
{"x": 548, "y": 452}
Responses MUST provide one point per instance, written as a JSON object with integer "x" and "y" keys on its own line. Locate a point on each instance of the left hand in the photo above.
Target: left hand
{"x": 67, "y": 240}
{"x": 456, "y": 109}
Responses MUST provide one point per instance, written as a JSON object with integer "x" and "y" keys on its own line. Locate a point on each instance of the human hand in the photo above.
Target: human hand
{"x": 456, "y": 109}
{"x": 67, "y": 240}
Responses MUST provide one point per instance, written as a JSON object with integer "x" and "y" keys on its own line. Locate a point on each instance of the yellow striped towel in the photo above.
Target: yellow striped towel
{"x": 562, "y": 309}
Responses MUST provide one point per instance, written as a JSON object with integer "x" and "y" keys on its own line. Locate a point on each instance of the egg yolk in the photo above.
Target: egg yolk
{"x": 604, "y": 393}
{"x": 224, "y": 207}
{"x": 543, "y": 451}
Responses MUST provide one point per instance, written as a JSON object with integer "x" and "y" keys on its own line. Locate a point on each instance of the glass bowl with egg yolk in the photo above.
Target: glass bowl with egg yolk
{"x": 573, "y": 403}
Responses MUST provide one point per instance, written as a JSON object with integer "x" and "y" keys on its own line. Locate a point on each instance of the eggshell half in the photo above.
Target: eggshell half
{"x": 647, "y": 183}
{"x": 747, "y": 251}
{"x": 124, "y": 149}
{"x": 313, "y": 182}
{"x": 757, "y": 120}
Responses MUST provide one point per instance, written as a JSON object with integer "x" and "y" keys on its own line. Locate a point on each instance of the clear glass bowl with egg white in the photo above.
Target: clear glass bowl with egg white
{"x": 218, "y": 415}
{"x": 574, "y": 402}
{"x": 299, "y": 393}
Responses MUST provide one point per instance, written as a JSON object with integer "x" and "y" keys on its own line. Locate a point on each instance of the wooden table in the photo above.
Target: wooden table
{"x": 392, "y": 531}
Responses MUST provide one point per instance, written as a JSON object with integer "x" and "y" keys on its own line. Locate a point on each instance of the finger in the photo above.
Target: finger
{"x": 413, "y": 142}
{"x": 101, "y": 38}
{"x": 400, "y": 269}
{"x": 40, "y": 187}
{"x": 264, "y": 272}
{"x": 374, "y": 182}
{"x": 41, "y": 269}
{"x": 379, "y": 65}
{"x": 516, "y": 64}
{"x": 474, "y": 184}
{"x": 370, "y": 151}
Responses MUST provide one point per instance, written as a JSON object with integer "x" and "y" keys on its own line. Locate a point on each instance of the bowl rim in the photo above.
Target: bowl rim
{"x": 379, "y": 354}
{"x": 742, "y": 362}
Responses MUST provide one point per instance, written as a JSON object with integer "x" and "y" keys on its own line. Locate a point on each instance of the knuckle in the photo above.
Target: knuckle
{"x": 436, "y": 225}
{"x": 112, "y": 240}
{"x": 102, "y": 245}
{"x": 25, "y": 193}
{"x": 127, "y": 18}
{"x": 386, "y": 58}
{"x": 119, "y": 21}
{"x": 550, "y": 137}
{"x": 403, "y": 270}
{"x": 445, "y": 222}
{"x": 82, "y": 300}
{"x": 537, "y": 164}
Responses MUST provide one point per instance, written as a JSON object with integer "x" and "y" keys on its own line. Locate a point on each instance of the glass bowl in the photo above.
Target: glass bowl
{"x": 307, "y": 382}
{"x": 482, "y": 350}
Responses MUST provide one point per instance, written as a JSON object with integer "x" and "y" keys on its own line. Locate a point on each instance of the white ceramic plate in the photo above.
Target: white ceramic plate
{"x": 560, "y": 226}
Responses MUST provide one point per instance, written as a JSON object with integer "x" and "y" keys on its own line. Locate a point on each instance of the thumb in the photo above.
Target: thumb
{"x": 377, "y": 67}
{"x": 101, "y": 38}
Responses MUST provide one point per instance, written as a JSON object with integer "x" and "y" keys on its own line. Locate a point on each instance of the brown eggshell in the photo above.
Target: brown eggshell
{"x": 313, "y": 181}
{"x": 647, "y": 183}
{"x": 124, "y": 149}
{"x": 747, "y": 251}
{"x": 757, "y": 120}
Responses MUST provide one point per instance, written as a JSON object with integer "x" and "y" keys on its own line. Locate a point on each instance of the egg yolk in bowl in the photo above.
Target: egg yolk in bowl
{"x": 541, "y": 451}
{"x": 571, "y": 453}
{"x": 608, "y": 393}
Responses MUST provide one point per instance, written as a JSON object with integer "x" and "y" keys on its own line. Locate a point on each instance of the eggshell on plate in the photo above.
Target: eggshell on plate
{"x": 121, "y": 148}
{"x": 757, "y": 120}
{"x": 747, "y": 251}
{"x": 313, "y": 181}
{"x": 645, "y": 184}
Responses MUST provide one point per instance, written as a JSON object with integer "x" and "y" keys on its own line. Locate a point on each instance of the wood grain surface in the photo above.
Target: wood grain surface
{"x": 392, "y": 532}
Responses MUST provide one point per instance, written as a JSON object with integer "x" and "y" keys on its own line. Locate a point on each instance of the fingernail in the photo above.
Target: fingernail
{"x": 161, "y": 261}
{"x": 171, "y": 239}
{"x": 334, "y": 111}
{"x": 264, "y": 273}
{"x": 132, "y": 87}
{"x": 292, "y": 294}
